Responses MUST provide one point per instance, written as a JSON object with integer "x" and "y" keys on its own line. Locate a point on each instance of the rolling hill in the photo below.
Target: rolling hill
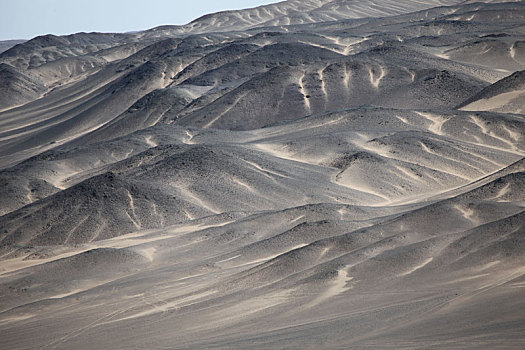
{"x": 307, "y": 174}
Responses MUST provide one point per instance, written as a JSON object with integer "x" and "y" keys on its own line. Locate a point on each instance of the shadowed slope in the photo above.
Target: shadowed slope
{"x": 506, "y": 95}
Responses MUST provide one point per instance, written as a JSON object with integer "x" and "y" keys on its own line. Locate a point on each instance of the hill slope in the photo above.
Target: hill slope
{"x": 306, "y": 174}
